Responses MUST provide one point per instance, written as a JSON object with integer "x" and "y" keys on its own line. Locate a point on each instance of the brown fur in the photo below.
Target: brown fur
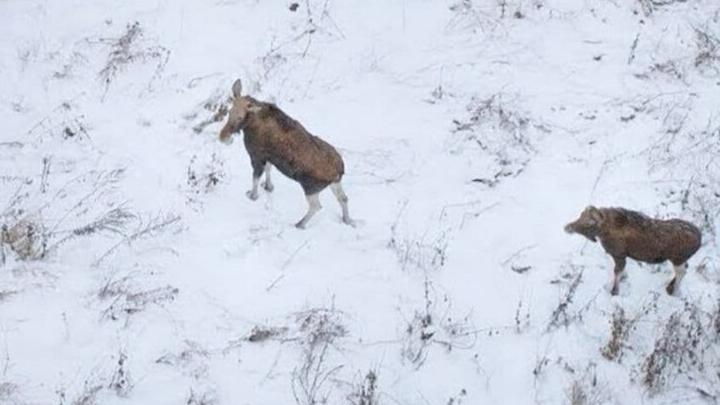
{"x": 624, "y": 233}
{"x": 271, "y": 136}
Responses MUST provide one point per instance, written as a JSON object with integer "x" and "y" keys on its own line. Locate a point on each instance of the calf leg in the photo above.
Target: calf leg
{"x": 313, "y": 207}
{"x": 258, "y": 168}
{"x": 617, "y": 271}
{"x": 674, "y": 284}
{"x": 267, "y": 184}
{"x": 343, "y": 200}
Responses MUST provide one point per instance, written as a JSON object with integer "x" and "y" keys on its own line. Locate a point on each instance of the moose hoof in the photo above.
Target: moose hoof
{"x": 670, "y": 289}
{"x": 614, "y": 290}
{"x": 253, "y": 195}
{"x": 269, "y": 187}
{"x": 300, "y": 225}
{"x": 350, "y": 222}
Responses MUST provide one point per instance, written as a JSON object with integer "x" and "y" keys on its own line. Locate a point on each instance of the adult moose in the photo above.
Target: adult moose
{"x": 272, "y": 138}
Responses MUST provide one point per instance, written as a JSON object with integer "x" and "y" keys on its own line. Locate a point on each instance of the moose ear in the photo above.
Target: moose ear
{"x": 237, "y": 88}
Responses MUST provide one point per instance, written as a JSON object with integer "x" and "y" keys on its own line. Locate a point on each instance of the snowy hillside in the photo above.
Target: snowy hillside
{"x": 472, "y": 131}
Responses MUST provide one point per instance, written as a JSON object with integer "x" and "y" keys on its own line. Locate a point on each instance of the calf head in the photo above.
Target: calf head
{"x": 242, "y": 108}
{"x": 588, "y": 225}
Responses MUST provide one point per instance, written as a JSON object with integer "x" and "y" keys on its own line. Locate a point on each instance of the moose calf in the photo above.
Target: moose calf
{"x": 624, "y": 233}
{"x": 274, "y": 139}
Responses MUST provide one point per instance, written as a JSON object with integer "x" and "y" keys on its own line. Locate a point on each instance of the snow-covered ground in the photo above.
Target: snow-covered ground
{"x": 472, "y": 131}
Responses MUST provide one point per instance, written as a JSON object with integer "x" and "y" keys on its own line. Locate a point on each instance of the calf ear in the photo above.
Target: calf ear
{"x": 237, "y": 88}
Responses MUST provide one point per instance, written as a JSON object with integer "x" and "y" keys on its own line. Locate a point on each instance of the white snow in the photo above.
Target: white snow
{"x": 471, "y": 136}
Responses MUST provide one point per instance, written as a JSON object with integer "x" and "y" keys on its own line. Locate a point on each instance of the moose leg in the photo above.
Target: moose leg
{"x": 680, "y": 270}
{"x": 267, "y": 184}
{"x": 258, "y": 168}
{"x": 343, "y": 200}
{"x": 617, "y": 271}
{"x": 313, "y": 207}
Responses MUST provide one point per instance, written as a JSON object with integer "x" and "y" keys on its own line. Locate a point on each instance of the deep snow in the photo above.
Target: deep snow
{"x": 470, "y": 135}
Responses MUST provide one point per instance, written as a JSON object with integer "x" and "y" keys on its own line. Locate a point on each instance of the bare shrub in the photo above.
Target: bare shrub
{"x": 146, "y": 226}
{"x": 310, "y": 379}
{"x": 89, "y": 397}
{"x": 127, "y": 298}
{"x": 132, "y": 303}
{"x": 316, "y": 20}
{"x": 458, "y": 399}
{"x": 365, "y": 393}
{"x": 118, "y": 381}
{"x": 69, "y": 64}
{"x": 651, "y": 6}
{"x": 27, "y": 53}
{"x": 498, "y": 131}
{"x": 125, "y": 50}
{"x": 522, "y": 319}
{"x": 419, "y": 332}
{"x": 191, "y": 360}
{"x": 560, "y": 315}
{"x": 671, "y": 109}
{"x": 75, "y": 208}
{"x": 676, "y": 69}
{"x": 586, "y": 389}
{"x": 121, "y": 382}
{"x": 6, "y": 294}
{"x": 488, "y": 15}
{"x": 63, "y": 123}
{"x": 289, "y": 51}
{"x": 307, "y": 328}
{"x": 424, "y": 251}
{"x": 696, "y": 200}
{"x": 207, "y": 397}
{"x": 319, "y": 325}
{"x": 708, "y": 51}
{"x": 683, "y": 354}
{"x": 619, "y": 329}
{"x": 9, "y": 393}
{"x": 203, "y": 178}
{"x": 316, "y": 332}
{"x": 468, "y": 16}
{"x": 691, "y": 154}
{"x": 576, "y": 394}
{"x": 433, "y": 325}
{"x": 263, "y": 333}
{"x": 690, "y": 159}
{"x": 716, "y": 320}
{"x": 319, "y": 329}
{"x": 86, "y": 396}
{"x": 216, "y": 105}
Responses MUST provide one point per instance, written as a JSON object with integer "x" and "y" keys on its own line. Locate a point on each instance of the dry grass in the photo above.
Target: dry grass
{"x": 204, "y": 177}
{"x": 496, "y": 130}
{"x": 560, "y": 316}
{"x": 586, "y": 388}
{"x": 126, "y": 50}
{"x": 424, "y": 251}
{"x": 319, "y": 329}
{"x": 683, "y": 354}
{"x": 366, "y": 393}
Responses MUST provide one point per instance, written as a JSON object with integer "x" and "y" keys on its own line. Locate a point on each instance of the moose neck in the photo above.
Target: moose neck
{"x": 252, "y": 126}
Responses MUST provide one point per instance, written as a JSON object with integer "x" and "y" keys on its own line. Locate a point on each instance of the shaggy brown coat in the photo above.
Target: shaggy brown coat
{"x": 624, "y": 233}
{"x": 271, "y": 137}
